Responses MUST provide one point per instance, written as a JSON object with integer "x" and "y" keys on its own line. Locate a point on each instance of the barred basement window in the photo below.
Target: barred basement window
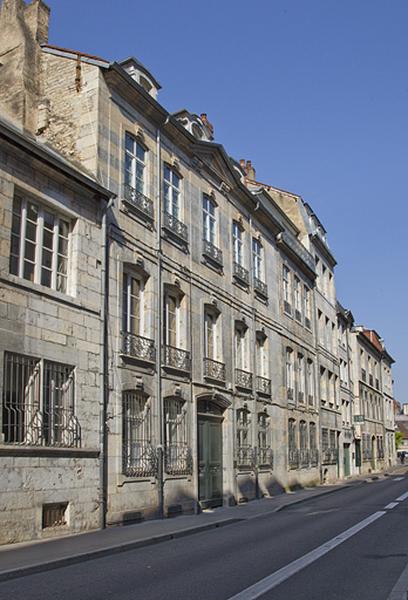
{"x": 139, "y": 457}
{"x": 178, "y": 456}
{"x": 39, "y": 403}
{"x": 54, "y": 515}
{"x": 39, "y": 245}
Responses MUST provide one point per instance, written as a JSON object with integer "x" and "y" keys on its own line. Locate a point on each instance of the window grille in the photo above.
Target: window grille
{"x": 244, "y": 449}
{"x": 265, "y": 455}
{"x": 54, "y": 515}
{"x": 139, "y": 456}
{"x": 39, "y": 403}
{"x": 39, "y": 245}
{"x": 178, "y": 456}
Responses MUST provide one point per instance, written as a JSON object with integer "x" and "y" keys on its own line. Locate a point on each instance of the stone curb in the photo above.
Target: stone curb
{"x": 101, "y": 552}
{"x": 322, "y": 493}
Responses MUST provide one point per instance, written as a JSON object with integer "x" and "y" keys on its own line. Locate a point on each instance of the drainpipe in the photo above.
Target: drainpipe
{"x": 255, "y": 420}
{"x": 104, "y": 378}
{"x": 160, "y": 447}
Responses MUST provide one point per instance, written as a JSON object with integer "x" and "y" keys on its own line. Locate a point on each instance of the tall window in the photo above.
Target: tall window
{"x": 209, "y": 221}
{"x": 264, "y": 442}
{"x": 312, "y": 436}
{"x": 171, "y": 328}
{"x": 39, "y": 403}
{"x": 138, "y": 452}
{"x": 39, "y": 245}
{"x": 325, "y": 439}
{"x": 310, "y": 382}
{"x": 210, "y": 335}
{"x": 261, "y": 354}
{"x": 178, "y": 458}
{"x": 301, "y": 378}
{"x": 241, "y": 350}
{"x": 287, "y": 290}
{"x": 307, "y": 307}
{"x": 257, "y": 259}
{"x": 289, "y": 373}
{"x": 135, "y": 164}
{"x": 303, "y": 435}
{"x": 131, "y": 302}
{"x": 172, "y": 192}
{"x": 298, "y": 297}
{"x": 237, "y": 243}
{"x": 292, "y": 444}
{"x": 244, "y": 449}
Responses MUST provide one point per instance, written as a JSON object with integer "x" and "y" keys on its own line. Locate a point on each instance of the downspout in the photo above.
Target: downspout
{"x": 104, "y": 379}
{"x": 255, "y": 423}
{"x": 159, "y": 313}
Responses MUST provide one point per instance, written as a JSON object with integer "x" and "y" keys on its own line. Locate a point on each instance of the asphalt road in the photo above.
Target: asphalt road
{"x": 222, "y": 563}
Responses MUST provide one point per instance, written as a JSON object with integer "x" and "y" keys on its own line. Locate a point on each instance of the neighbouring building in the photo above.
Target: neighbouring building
{"x": 188, "y": 330}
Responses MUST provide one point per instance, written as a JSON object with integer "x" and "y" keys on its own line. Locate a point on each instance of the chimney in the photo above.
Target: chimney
{"x": 23, "y": 27}
{"x": 37, "y": 16}
{"x": 249, "y": 170}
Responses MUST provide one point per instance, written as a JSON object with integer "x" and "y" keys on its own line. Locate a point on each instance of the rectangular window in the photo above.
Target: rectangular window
{"x": 261, "y": 354}
{"x": 139, "y": 459}
{"x": 39, "y": 245}
{"x": 287, "y": 290}
{"x": 244, "y": 449}
{"x": 237, "y": 243}
{"x": 301, "y": 379}
{"x": 298, "y": 298}
{"x": 310, "y": 382}
{"x": 209, "y": 221}
{"x": 172, "y": 192}
{"x": 171, "y": 321}
{"x": 289, "y": 373}
{"x": 292, "y": 443}
{"x": 257, "y": 262}
{"x": 135, "y": 164}
{"x": 210, "y": 335}
{"x": 178, "y": 457}
{"x": 307, "y": 307}
{"x": 241, "y": 353}
{"x": 39, "y": 403}
{"x": 131, "y": 302}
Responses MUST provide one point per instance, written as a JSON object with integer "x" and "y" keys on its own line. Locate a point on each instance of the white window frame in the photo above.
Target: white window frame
{"x": 301, "y": 378}
{"x": 241, "y": 348}
{"x": 211, "y": 317}
{"x": 39, "y": 248}
{"x": 127, "y": 301}
{"x": 137, "y": 156}
{"x": 289, "y": 370}
{"x": 287, "y": 287}
{"x": 257, "y": 260}
{"x": 261, "y": 354}
{"x": 238, "y": 244}
{"x": 166, "y": 330}
{"x": 209, "y": 220}
{"x": 172, "y": 192}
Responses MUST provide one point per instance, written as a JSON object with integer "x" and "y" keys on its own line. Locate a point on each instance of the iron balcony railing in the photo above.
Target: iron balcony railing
{"x": 138, "y": 346}
{"x": 139, "y": 201}
{"x": 214, "y": 369}
{"x": 140, "y": 459}
{"x": 212, "y": 252}
{"x": 176, "y": 358}
{"x": 175, "y": 226}
{"x": 245, "y": 456}
{"x": 178, "y": 459}
{"x": 265, "y": 457}
{"x": 260, "y": 287}
{"x": 241, "y": 273}
{"x": 314, "y": 457}
{"x": 243, "y": 379}
{"x": 293, "y": 459}
{"x": 330, "y": 456}
{"x": 263, "y": 385}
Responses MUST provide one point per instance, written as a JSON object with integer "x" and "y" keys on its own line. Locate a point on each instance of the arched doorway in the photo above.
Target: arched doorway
{"x": 209, "y": 428}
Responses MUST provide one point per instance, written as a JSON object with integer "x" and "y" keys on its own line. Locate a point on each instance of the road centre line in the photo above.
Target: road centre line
{"x": 271, "y": 581}
{"x": 391, "y": 505}
{"x": 402, "y": 497}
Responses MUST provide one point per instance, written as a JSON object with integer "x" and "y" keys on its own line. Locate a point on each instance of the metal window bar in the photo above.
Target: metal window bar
{"x": 136, "y": 199}
{"x": 176, "y": 358}
{"x": 139, "y": 456}
{"x": 138, "y": 346}
{"x": 214, "y": 369}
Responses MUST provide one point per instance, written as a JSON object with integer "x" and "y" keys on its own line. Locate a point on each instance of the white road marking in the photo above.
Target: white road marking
{"x": 399, "y": 591}
{"x": 402, "y": 497}
{"x": 398, "y": 478}
{"x": 273, "y": 580}
{"x": 391, "y": 505}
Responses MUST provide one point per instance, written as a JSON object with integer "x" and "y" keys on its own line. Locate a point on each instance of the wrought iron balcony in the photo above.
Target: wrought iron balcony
{"x": 138, "y": 201}
{"x": 138, "y": 347}
{"x": 178, "y": 459}
{"x": 329, "y": 456}
{"x": 140, "y": 459}
{"x": 263, "y": 385}
{"x": 243, "y": 379}
{"x": 265, "y": 457}
{"x": 260, "y": 287}
{"x": 175, "y": 227}
{"x": 245, "y": 456}
{"x": 212, "y": 252}
{"x": 214, "y": 369}
{"x": 293, "y": 459}
{"x": 240, "y": 273}
{"x": 314, "y": 457}
{"x": 304, "y": 458}
{"x": 176, "y": 358}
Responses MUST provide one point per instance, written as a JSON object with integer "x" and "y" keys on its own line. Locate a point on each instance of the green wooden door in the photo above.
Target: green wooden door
{"x": 209, "y": 461}
{"x": 346, "y": 459}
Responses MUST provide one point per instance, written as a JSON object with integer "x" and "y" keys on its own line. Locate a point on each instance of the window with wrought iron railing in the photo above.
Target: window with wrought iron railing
{"x": 244, "y": 454}
{"x": 138, "y": 453}
{"x": 39, "y": 403}
{"x": 177, "y": 453}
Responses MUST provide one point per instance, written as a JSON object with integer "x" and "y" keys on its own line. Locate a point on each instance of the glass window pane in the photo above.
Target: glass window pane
{"x": 46, "y": 258}
{"x": 32, "y": 212}
{"x": 28, "y": 271}
{"x": 30, "y": 251}
{"x": 46, "y": 277}
{"x": 48, "y": 239}
{"x": 31, "y": 231}
{"x": 129, "y": 143}
{"x": 140, "y": 152}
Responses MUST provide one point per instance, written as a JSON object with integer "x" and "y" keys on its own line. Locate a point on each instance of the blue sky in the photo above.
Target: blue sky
{"x": 314, "y": 92}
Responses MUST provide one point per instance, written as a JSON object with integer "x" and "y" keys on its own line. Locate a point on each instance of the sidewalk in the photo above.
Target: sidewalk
{"x": 33, "y": 557}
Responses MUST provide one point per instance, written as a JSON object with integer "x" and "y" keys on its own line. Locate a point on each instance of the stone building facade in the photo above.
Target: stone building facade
{"x": 202, "y": 322}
